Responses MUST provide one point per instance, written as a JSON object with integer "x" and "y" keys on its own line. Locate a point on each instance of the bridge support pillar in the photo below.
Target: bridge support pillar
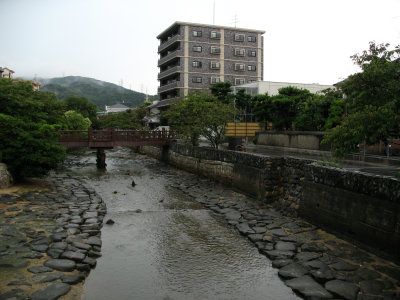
{"x": 164, "y": 153}
{"x": 101, "y": 159}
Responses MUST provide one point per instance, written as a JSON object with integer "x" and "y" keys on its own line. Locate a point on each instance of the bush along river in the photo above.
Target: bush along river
{"x": 169, "y": 234}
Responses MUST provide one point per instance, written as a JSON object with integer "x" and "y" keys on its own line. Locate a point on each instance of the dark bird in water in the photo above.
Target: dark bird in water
{"x": 133, "y": 183}
{"x": 110, "y": 222}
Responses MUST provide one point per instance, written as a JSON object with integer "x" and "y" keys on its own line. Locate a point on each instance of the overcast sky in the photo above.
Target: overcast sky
{"x": 306, "y": 41}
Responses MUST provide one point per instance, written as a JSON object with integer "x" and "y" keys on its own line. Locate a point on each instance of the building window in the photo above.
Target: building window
{"x": 239, "y": 81}
{"x": 215, "y": 65}
{"x": 197, "y": 49}
{"x": 252, "y": 53}
{"x": 215, "y": 80}
{"x": 196, "y": 79}
{"x": 239, "y": 52}
{"x": 215, "y": 50}
{"x": 239, "y": 67}
{"x": 196, "y": 64}
{"x": 215, "y": 35}
{"x": 252, "y": 80}
{"x": 197, "y": 33}
{"x": 251, "y": 38}
{"x": 251, "y": 68}
{"x": 239, "y": 37}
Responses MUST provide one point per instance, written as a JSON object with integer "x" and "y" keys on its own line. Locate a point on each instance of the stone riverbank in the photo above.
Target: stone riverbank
{"x": 315, "y": 264}
{"x": 49, "y": 239}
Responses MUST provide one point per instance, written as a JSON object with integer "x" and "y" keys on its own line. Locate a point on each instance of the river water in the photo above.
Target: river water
{"x": 164, "y": 244}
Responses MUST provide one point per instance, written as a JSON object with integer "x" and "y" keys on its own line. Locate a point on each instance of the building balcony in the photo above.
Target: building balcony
{"x": 170, "y": 56}
{"x": 169, "y": 86}
{"x": 168, "y": 72}
{"x": 168, "y": 43}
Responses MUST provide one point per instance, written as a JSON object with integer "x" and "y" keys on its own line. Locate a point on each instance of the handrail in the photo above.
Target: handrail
{"x": 110, "y": 138}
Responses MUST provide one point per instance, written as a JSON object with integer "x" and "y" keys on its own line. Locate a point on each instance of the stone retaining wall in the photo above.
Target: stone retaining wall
{"x": 292, "y": 139}
{"x": 363, "y": 207}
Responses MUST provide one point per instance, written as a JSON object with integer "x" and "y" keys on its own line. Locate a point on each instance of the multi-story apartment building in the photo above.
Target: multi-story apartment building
{"x": 195, "y": 56}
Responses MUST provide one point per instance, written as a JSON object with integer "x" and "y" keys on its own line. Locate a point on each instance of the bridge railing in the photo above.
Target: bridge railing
{"x": 105, "y": 138}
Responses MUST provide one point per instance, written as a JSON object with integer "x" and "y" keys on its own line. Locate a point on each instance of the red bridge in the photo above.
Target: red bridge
{"x": 107, "y": 139}
{"x": 114, "y": 138}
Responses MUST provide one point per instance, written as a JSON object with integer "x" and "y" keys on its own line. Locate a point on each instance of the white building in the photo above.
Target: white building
{"x": 116, "y": 108}
{"x": 6, "y": 73}
{"x": 272, "y": 88}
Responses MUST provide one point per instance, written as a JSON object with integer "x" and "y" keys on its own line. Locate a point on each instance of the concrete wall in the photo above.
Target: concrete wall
{"x": 292, "y": 139}
{"x": 362, "y": 207}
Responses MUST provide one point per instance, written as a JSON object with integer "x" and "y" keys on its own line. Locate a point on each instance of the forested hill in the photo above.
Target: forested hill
{"x": 96, "y": 91}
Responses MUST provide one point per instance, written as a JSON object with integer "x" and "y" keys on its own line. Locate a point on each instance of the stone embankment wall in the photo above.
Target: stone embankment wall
{"x": 292, "y": 139}
{"x": 361, "y": 206}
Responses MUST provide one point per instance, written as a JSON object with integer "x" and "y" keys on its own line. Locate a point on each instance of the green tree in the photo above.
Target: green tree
{"x": 243, "y": 101}
{"x": 373, "y": 99}
{"x": 312, "y": 114}
{"x": 222, "y": 91}
{"x": 200, "y": 115}
{"x": 82, "y": 106}
{"x": 73, "y": 120}
{"x": 262, "y": 108}
{"x": 130, "y": 119}
{"x": 29, "y": 121}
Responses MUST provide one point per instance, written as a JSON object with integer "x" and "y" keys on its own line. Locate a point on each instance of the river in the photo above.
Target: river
{"x": 164, "y": 244}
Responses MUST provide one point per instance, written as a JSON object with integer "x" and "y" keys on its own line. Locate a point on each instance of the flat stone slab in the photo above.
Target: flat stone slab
{"x": 293, "y": 270}
{"x": 308, "y": 287}
{"x": 244, "y": 228}
{"x": 279, "y": 263}
{"x": 275, "y": 254}
{"x": 285, "y": 246}
{"x": 306, "y": 256}
{"x": 80, "y": 245}
{"x": 73, "y": 279}
{"x": 278, "y": 232}
{"x": 259, "y": 229}
{"x": 48, "y": 277}
{"x": 39, "y": 248}
{"x": 344, "y": 266}
{"x": 254, "y": 237}
{"x": 59, "y": 245}
{"x": 39, "y": 269}
{"x": 65, "y": 265}
{"x": 90, "y": 215}
{"x": 94, "y": 240}
{"x": 323, "y": 274}
{"x": 343, "y": 289}
{"x": 52, "y": 292}
{"x": 72, "y": 255}
{"x": 233, "y": 215}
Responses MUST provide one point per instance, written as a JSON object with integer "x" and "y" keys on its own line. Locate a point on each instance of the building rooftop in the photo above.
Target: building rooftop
{"x": 207, "y": 25}
{"x": 118, "y": 105}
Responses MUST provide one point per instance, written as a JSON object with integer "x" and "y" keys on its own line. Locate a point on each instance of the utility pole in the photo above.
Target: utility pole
{"x": 235, "y": 20}
{"x": 214, "y": 13}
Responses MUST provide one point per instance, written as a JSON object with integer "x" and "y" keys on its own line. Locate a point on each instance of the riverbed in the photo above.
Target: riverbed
{"x": 164, "y": 244}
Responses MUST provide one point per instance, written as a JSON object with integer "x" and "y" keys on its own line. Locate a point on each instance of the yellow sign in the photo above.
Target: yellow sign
{"x": 242, "y": 128}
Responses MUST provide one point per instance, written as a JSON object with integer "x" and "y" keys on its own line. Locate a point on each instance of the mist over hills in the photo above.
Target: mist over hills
{"x": 96, "y": 91}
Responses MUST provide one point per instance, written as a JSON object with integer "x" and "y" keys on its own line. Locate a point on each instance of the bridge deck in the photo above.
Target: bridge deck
{"x": 113, "y": 138}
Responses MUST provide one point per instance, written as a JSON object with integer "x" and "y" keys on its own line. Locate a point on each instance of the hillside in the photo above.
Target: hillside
{"x": 96, "y": 91}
